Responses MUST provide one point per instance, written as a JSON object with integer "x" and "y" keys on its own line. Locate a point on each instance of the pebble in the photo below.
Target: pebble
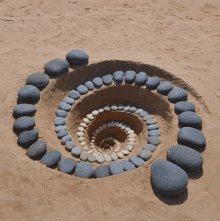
{"x": 118, "y": 77}
{"x": 90, "y": 116}
{"x": 114, "y": 107}
{"x": 50, "y": 159}
{"x": 112, "y": 124}
{"x": 164, "y": 88}
{"x": 132, "y": 109}
{"x": 24, "y": 123}
{"x": 130, "y": 132}
{"x": 153, "y": 127}
{"x": 131, "y": 139}
{"x": 97, "y": 131}
{"x": 190, "y": 119}
{"x": 67, "y": 165}
{"x": 107, "y": 79}
{"x": 138, "y": 111}
{"x": 149, "y": 147}
{"x": 143, "y": 113}
{"x": 177, "y": 94}
{"x": 64, "y": 106}
{"x": 107, "y": 108}
{"x": 100, "y": 128}
{"x": 83, "y": 156}
{"x": 127, "y": 166}
{"x": 61, "y": 113}
{"x": 183, "y": 106}
{"x": 127, "y": 107}
{"x": 129, "y": 148}
{"x": 21, "y": 110}
{"x": 69, "y": 100}
{"x": 120, "y": 107}
{"x": 76, "y": 152}
{"x": 81, "y": 129}
{"x": 74, "y": 94}
{"x": 77, "y": 57}
{"x": 27, "y": 138}
{"x": 37, "y": 79}
{"x": 29, "y": 94}
{"x": 131, "y": 135}
{"x": 56, "y": 67}
{"x": 101, "y": 171}
{"x": 114, "y": 156}
{"x": 62, "y": 134}
{"x": 144, "y": 154}
{"x": 120, "y": 155}
{"x": 115, "y": 168}
{"x": 97, "y": 81}
{"x": 92, "y": 158}
{"x": 131, "y": 143}
{"x": 82, "y": 89}
{"x": 154, "y": 133}
{"x": 137, "y": 161}
{"x": 107, "y": 158}
{"x": 152, "y": 83}
{"x": 81, "y": 139}
{"x": 80, "y": 134}
{"x": 95, "y": 113}
{"x": 86, "y": 120}
{"x": 59, "y": 128}
{"x": 85, "y": 148}
{"x": 185, "y": 157}
{"x": 141, "y": 78}
{"x": 83, "y": 143}
{"x": 100, "y": 110}
{"x": 83, "y": 125}
{"x": 191, "y": 137}
{"x": 59, "y": 121}
{"x": 66, "y": 139}
{"x": 89, "y": 85}
{"x": 69, "y": 145}
{"x": 37, "y": 150}
{"x": 167, "y": 178}
{"x": 149, "y": 122}
{"x": 128, "y": 128}
{"x": 129, "y": 77}
{"x": 125, "y": 152}
{"x": 148, "y": 117}
{"x": 153, "y": 140}
{"x": 84, "y": 170}
{"x": 100, "y": 159}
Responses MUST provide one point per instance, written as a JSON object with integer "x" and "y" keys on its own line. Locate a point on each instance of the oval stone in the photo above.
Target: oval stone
{"x": 56, "y": 66}
{"x": 143, "y": 113}
{"x": 167, "y": 178}
{"x": 183, "y": 106}
{"x": 74, "y": 94}
{"x": 101, "y": 171}
{"x": 152, "y": 83}
{"x": 97, "y": 81}
{"x": 61, "y": 113}
{"x": 164, "y": 88}
{"x": 69, "y": 145}
{"x": 107, "y": 79}
{"x": 27, "y": 138}
{"x": 177, "y": 94}
{"x": 151, "y": 121}
{"x": 83, "y": 170}
{"x": 132, "y": 109}
{"x": 149, "y": 147}
{"x": 127, "y": 166}
{"x": 37, "y": 150}
{"x": 66, "y": 139}
{"x": 115, "y": 168}
{"x": 24, "y": 123}
{"x": 89, "y": 85}
{"x": 51, "y": 159}
{"x": 154, "y": 133}
{"x": 64, "y": 106}
{"x": 141, "y": 78}
{"x": 91, "y": 158}
{"x": 29, "y": 94}
{"x": 67, "y": 165}
{"x": 62, "y": 133}
{"x": 144, "y": 154}
{"x": 153, "y": 140}
{"x": 77, "y": 57}
{"x": 83, "y": 156}
{"x": 38, "y": 79}
{"x": 59, "y": 128}
{"x": 21, "y": 110}
{"x": 153, "y": 127}
{"x": 127, "y": 107}
{"x": 118, "y": 77}
{"x": 137, "y": 161}
{"x": 69, "y": 100}
{"x": 129, "y": 77}
{"x": 76, "y": 151}
{"x": 82, "y": 89}
{"x": 59, "y": 121}
{"x": 190, "y": 119}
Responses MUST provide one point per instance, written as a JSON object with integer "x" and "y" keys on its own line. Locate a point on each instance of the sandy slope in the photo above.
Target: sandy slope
{"x": 178, "y": 36}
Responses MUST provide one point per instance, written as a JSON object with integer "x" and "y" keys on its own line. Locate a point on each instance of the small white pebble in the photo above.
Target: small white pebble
{"x": 86, "y": 148}
{"x": 101, "y": 110}
{"x": 132, "y": 143}
{"x": 125, "y": 152}
{"x": 83, "y": 143}
{"x": 95, "y": 113}
{"x": 129, "y": 148}
{"x": 81, "y": 129}
{"x": 80, "y": 134}
{"x": 116, "y": 124}
{"x": 81, "y": 139}
{"x": 112, "y": 124}
{"x": 83, "y": 125}
{"x": 100, "y": 128}
{"x": 90, "y": 116}
{"x": 130, "y": 132}
{"x": 120, "y": 155}
{"x": 86, "y": 120}
{"x": 106, "y": 108}
{"x": 109, "y": 124}
{"x": 131, "y": 139}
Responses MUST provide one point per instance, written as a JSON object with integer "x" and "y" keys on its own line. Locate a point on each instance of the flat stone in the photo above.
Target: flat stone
{"x": 129, "y": 148}
{"x": 38, "y": 80}
{"x": 83, "y": 143}
{"x": 138, "y": 111}
{"x": 144, "y": 154}
{"x": 101, "y": 171}
{"x": 97, "y": 81}
{"x": 107, "y": 79}
{"x": 131, "y": 139}
{"x": 61, "y": 113}
{"x": 56, "y": 66}
{"x": 191, "y": 137}
{"x": 51, "y": 159}
{"x": 152, "y": 83}
{"x": 24, "y": 123}
{"x": 190, "y": 119}
{"x": 90, "y": 116}
{"x": 82, "y": 89}
{"x": 83, "y": 125}
{"x": 74, "y": 94}
{"x": 27, "y": 138}
{"x": 114, "y": 107}
{"x": 76, "y": 152}
{"x": 81, "y": 139}
{"x": 37, "y": 150}
{"x": 154, "y": 133}
{"x": 83, "y": 156}
{"x": 183, "y": 106}
{"x": 107, "y": 108}
{"x": 80, "y": 134}
{"x": 114, "y": 156}
{"x": 69, "y": 145}
{"x": 164, "y": 88}
{"x": 149, "y": 147}
{"x": 59, "y": 128}
{"x": 149, "y": 122}
{"x": 100, "y": 110}
{"x": 130, "y": 132}
{"x": 132, "y": 109}
{"x": 120, "y": 155}
{"x": 127, "y": 107}
{"x": 137, "y": 161}
{"x": 92, "y": 158}
{"x": 107, "y": 158}
{"x": 21, "y": 110}
{"x": 177, "y": 94}
{"x": 95, "y": 113}
{"x": 118, "y": 77}
{"x": 77, "y": 57}
{"x": 131, "y": 135}
{"x": 84, "y": 170}
{"x": 120, "y": 107}
{"x": 100, "y": 159}
{"x": 59, "y": 121}
{"x": 62, "y": 134}
{"x": 127, "y": 166}
{"x": 89, "y": 85}
{"x": 29, "y": 94}
{"x": 69, "y": 100}
{"x": 148, "y": 117}
{"x": 66, "y": 139}
{"x": 185, "y": 157}
{"x": 64, "y": 106}
{"x": 115, "y": 168}
{"x": 81, "y": 129}
{"x": 130, "y": 77}
{"x": 86, "y": 120}
{"x": 125, "y": 152}
{"x": 67, "y": 165}
{"x": 153, "y": 140}
{"x": 141, "y": 78}
{"x": 153, "y": 127}
{"x": 167, "y": 178}
{"x": 143, "y": 113}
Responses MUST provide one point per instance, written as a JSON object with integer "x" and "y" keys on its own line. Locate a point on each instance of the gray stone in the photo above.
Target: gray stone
{"x": 91, "y": 158}
{"x": 56, "y": 66}
{"x": 164, "y": 88}
{"x": 24, "y": 123}
{"x": 61, "y": 113}
{"x": 77, "y": 57}
{"x": 97, "y": 81}
{"x": 74, "y": 94}
{"x": 76, "y": 151}
{"x": 191, "y": 137}
{"x": 114, "y": 107}
{"x": 177, "y": 94}
{"x": 62, "y": 134}
{"x": 153, "y": 127}
{"x": 154, "y": 133}
{"x": 145, "y": 154}
{"x": 143, "y": 113}
{"x": 66, "y": 139}
{"x": 27, "y": 138}
{"x": 51, "y": 159}
{"x": 153, "y": 140}
{"x": 29, "y": 94}
{"x": 148, "y": 117}
{"x": 127, "y": 166}
{"x": 84, "y": 170}
{"x": 190, "y": 119}
{"x": 82, "y": 89}
{"x": 101, "y": 171}
{"x": 118, "y": 77}
{"x": 107, "y": 79}
{"x": 120, "y": 107}
{"x": 67, "y": 165}
{"x": 59, "y": 121}
{"x": 115, "y": 168}
{"x": 167, "y": 178}
{"x": 183, "y": 106}
{"x": 64, "y": 106}
{"x": 137, "y": 161}
{"x": 138, "y": 111}
{"x": 59, "y": 128}
{"x": 152, "y": 83}
{"x": 38, "y": 80}
{"x": 132, "y": 109}
{"x": 89, "y": 85}
{"x": 149, "y": 147}
{"x": 21, "y": 110}
{"x": 69, "y": 145}
{"x": 129, "y": 77}
{"x": 127, "y": 107}
{"x": 141, "y": 78}
{"x": 69, "y": 100}
{"x": 151, "y": 121}
{"x": 185, "y": 157}
{"x": 37, "y": 150}
{"x": 83, "y": 156}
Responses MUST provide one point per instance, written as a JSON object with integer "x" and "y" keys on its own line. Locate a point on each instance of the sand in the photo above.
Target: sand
{"x": 182, "y": 38}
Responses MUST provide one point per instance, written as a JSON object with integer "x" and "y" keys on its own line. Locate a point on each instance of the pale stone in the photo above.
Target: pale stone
{"x": 129, "y": 148}
{"x": 107, "y": 108}
{"x": 86, "y": 148}
{"x": 86, "y": 120}
{"x": 116, "y": 124}
{"x": 112, "y": 124}
{"x": 123, "y": 127}
{"x": 132, "y": 143}
{"x": 101, "y": 110}
{"x": 125, "y": 152}
{"x": 93, "y": 138}
{"x": 120, "y": 125}
{"x": 100, "y": 159}
{"x": 95, "y": 113}
{"x": 120, "y": 155}
{"x": 83, "y": 125}
{"x": 80, "y": 134}
{"x": 90, "y": 116}
{"x": 81, "y": 139}
{"x": 107, "y": 158}
{"x": 131, "y": 139}
{"x": 83, "y": 143}
{"x": 90, "y": 151}
{"x": 131, "y": 135}
{"x": 128, "y": 128}
{"x": 114, "y": 156}
{"x": 130, "y": 132}
{"x": 80, "y": 129}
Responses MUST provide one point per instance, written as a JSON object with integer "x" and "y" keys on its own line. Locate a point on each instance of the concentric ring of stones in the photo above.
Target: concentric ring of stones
{"x": 169, "y": 177}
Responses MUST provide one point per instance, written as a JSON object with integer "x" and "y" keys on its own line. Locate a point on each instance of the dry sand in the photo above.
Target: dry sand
{"x": 181, "y": 37}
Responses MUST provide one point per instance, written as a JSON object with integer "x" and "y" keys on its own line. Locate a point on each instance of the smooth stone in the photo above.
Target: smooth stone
{"x": 77, "y": 57}
{"x": 69, "y": 145}
{"x": 67, "y": 165}
{"x": 83, "y": 156}
{"x": 64, "y": 106}
{"x": 129, "y": 148}
{"x": 83, "y": 125}
{"x": 183, "y": 106}
{"x": 107, "y": 79}
{"x": 24, "y": 123}
{"x": 153, "y": 140}
{"x": 82, "y": 89}
{"x": 153, "y": 127}
{"x": 118, "y": 77}
{"x": 143, "y": 113}
{"x": 131, "y": 139}
{"x": 37, "y": 150}
{"x": 127, "y": 166}
{"x": 100, "y": 159}
{"x": 167, "y": 178}
{"x": 141, "y": 78}
{"x": 69, "y": 100}
{"x": 120, "y": 107}
{"x": 83, "y": 143}
{"x": 81, "y": 129}
{"x": 191, "y": 137}
{"x": 100, "y": 110}
{"x": 107, "y": 158}
{"x": 137, "y": 161}
{"x": 114, "y": 107}
{"x": 138, "y": 111}
{"x": 190, "y": 119}
{"x": 37, "y": 79}
{"x": 120, "y": 155}
{"x": 148, "y": 117}
{"x": 74, "y": 94}
{"x": 90, "y": 116}
{"x": 149, "y": 122}
{"x": 144, "y": 154}
{"x": 59, "y": 128}
{"x": 164, "y": 88}
{"x": 27, "y": 138}
{"x": 66, "y": 139}
{"x": 154, "y": 133}
{"x": 107, "y": 108}
{"x": 95, "y": 113}
{"x": 91, "y": 158}
{"x": 177, "y": 94}
{"x": 50, "y": 159}
{"x": 29, "y": 94}
{"x": 132, "y": 109}
{"x": 76, "y": 152}
{"x": 115, "y": 168}
{"x": 59, "y": 121}
{"x": 62, "y": 134}
{"x": 101, "y": 171}
{"x": 61, "y": 113}
{"x": 131, "y": 135}
{"x": 89, "y": 85}
{"x": 21, "y": 110}
{"x": 152, "y": 83}
{"x": 81, "y": 139}
{"x": 130, "y": 132}
{"x": 83, "y": 170}
{"x": 127, "y": 107}
{"x": 80, "y": 134}
{"x": 130, "y": 77}
{"x": 125, "y": 152}
{"x": 114, "y": 156}
{"x": 97, "y": 81}
{"x": 185, "y": 157}
{"x": 56, "y": 67}
{"x": 149, "y": 147}
{"x": 86, "y": 120}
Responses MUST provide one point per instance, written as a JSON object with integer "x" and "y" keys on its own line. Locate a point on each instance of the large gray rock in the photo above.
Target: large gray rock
{"x": 21, "y": 110}
{"x": 24, "y": 123}
{"x": 69, "y": 145}
{"x": 177, "y": 94}
{"x": 115, "y": 168}
{"x": 74, "y": 94}
{"x": 27, "y": 138}
{"x": 84, "y": 170}
{"x": 152, "y": 83}
{"x": 141, "y": 78}
{"x": 190, "y": 119}
{"x": 56, "y": 67}
{"x": 67, "y": 165}
{"x": 127, "y": 166}
{"x": 164, "y": 88}
{"x": 130, "y": 77}
{"x": 167, "y": 178}
{"x": 29, "y": 94}
{"x": 82, "y": 89}
{"x": 51, "y": 159}
{"x": 101, "y": 171}
{"x": 89, "y": 85}
{"x": 38, "y": 80}
{"x": 153, "y": 140}
{"x": 77, "y": 57}
{"x": 107, "y": 79}
{"x": 137, "y": 161}
{"x": 183, "y": 106}
{"x": 118, "y": 77}
{"x": 37, "y": 150}
{"x": 98, "y": 82}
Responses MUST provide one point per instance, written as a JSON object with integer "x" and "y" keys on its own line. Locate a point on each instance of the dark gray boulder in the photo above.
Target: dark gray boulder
{"x": 84, "y": 170}
{"x": 74, "y": 94}
{"x": 190, "y": 119}
{"x": 67, "y": 165}
{"x": 82, "y": 89}
{"x": 183, "y": 106}
{"x": 21, "y": 110}
{"x": 118, "y": 77}
{"x": 51, "y": 159}
{"x": 38, "y": 80}
{"x": 165, "y": 87}
{"x": 27, "y": 138}
{"x": 107, "y": 79}
{"x": 98, "y": 82}
{"x": 101, "y": 171}
{"x": 137, "y": 161}
{"x": 130, "y": 77}
{"x": 56, "y": 67}
{"x": 127, "y": 166}
{"x": 89, "y": 85}
{"x": 28, "y": 94}
{"x": 177, "y": 94}
{"x": 152, "y": 83}
{"x": 115, "y": 168}
{"x": 77, "y": 57}
{"x": 153, "y": 140}
{"x": 141, "y": 78}
{"x": 24, "y": 123}
{"x": 37, "y": 150}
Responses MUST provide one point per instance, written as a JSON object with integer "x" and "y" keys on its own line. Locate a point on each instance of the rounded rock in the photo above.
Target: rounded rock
{"x": 69, "y": 145}
{"x": 62, "y": 134}
{"x": 107, "y": 158}
{"x": 51, "y": 159}
{"x": 118, "y": 77}
{"x": 151, "y": 121}
{"x": 92, "y": 158}
{"x": 67, "y": 165}
{"x": 148, "y": 117}
{"x": 37, "y": 150}
{"x": 24, "y": 123}
{"x": 143, "y": 113}
{"x": 38, "y": 80}
{"x": 127, "y": 166}
{"x": 145, "y": 154}
{"x": 100, "y": 110}
{"x": 97, "y": 81}
{"x": 61, "y": 113}
{"x": 120, "y": 155}
{"x": 153, "y": 140}
{"x": 82, "y": 89}
{"x": 76, "y": 152}
{"x": 107, "y": 79}
{"x": 74, "y": 94}
{"x": 138, "y": 111}
{"x": 152, "y": 83}
{"x": 149, "y": 147}
{"x": 86, "y": 120}
{"x": 153, "y": 127}
{"x": 114, "y": 156}
{"x": 137, "y": 161}
{"x": 190, "y": 119}
{"x": 95, "y": 113}
{"x": 77, "y": 57}
{"x": 89, "y": 85}
{"x": 130, "y": 77}
{"x": 114, "y": 107}
{"x": 183, "y": 106}
{"x": 107, "y": 108}
{"x": 64, "y": 106}
{"x": 56, "y": 66}
{"x": 27, "y": 138}
{"x": 132, "y": 109}
{"x": 69, "y": 100}
{"x": 100, "y": 159}
{"x": 59, "y": 128}
{"x": 101, "y": 171}
{"x": 83, "y": 156}
{"x": 141, "y": 78}
{"x": 29, "y": 94}
{"x": 21, "y": 110}
{"x": 90, "y": 116}
{"x": 154, "y": 133}
{"x": 59, "y": 121}
{"x": 66, "y": 139}
{"x": 115, "y": 168}
{"x": 125, "y": 152}
{"x": 164, "y": 88}
{"x": 84, "y": 170}
{"x": 127, "y": 107}
{"x": 177, "y": 94}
